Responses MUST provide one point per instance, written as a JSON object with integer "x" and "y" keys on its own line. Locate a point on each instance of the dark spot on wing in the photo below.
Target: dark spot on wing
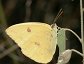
{"x": 36, "y": 43}
{"x": 28, "y": 29}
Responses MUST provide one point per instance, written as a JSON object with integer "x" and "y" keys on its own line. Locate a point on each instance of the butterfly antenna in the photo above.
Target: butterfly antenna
{"x": 58, "y": 15}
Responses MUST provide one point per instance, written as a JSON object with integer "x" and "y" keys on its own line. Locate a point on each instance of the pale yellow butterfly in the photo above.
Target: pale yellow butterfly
{"x": 37, "y": 40}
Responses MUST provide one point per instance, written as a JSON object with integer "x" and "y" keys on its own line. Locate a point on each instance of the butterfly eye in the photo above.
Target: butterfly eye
{"x": 28, "y": 29}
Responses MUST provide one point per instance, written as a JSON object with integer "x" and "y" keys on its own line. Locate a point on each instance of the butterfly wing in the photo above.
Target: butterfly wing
{"x": 37, "y": 40}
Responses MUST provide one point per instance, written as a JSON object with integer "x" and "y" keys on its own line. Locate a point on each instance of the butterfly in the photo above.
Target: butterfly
{"x": 38, "y": 40}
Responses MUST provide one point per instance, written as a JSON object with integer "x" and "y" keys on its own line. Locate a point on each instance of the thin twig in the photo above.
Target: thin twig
{"x": 66, "y": 29}
{"x": 6, "y": 52}
{"x": 82, "y": 33}
{"x": 77, "y": 52}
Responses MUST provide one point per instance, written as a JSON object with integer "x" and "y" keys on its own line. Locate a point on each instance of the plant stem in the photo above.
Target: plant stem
{"x": 82, "y": 35}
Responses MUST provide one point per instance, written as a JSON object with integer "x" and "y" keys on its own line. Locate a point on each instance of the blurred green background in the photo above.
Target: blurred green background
{"x": 18, "y": 11}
